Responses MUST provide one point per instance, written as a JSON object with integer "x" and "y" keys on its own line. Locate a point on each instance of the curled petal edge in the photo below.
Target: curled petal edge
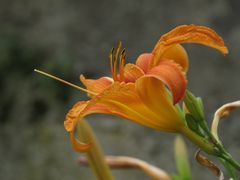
{"x": 223, "y": 111}
{"x": 188, "y": 34}
{"x": 202, "y": 160}
{"x": 79, "y": 146}
{"x": 78, "y": 111}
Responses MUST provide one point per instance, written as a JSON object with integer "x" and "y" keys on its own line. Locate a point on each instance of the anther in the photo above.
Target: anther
{"x": 121, "y": 64}
{"x": 115, "y": 62}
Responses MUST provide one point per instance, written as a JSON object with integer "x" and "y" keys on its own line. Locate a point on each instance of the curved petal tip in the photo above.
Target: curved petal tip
{"x": 194, "y": 34}
{"x": 79, "y": 146}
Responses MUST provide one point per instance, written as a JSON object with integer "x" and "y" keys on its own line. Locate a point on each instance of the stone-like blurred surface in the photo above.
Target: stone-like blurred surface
{"x": 68, "y": 38}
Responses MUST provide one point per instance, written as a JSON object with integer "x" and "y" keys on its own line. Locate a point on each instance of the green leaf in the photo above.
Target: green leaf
{"x": 181, "y": 157}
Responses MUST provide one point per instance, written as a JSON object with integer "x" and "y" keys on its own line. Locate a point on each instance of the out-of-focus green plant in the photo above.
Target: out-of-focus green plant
{"x": 181, "y": 158}
{"x": 95, "y": 155}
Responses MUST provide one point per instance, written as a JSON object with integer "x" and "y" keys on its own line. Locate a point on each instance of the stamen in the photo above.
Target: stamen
{"x": 121, "y": 64}
{"x": 111, "y": 62}
{"x": 65, "y": 82}
{"x": 116, "y": 60}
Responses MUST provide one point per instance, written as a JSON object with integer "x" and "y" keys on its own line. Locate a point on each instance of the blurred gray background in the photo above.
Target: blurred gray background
{"x": 70, "y": 37}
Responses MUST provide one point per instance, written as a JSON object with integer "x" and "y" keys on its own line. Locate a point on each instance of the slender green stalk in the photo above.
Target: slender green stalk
{"x": 95, "y": 155}
{"x": 181, "y": 158}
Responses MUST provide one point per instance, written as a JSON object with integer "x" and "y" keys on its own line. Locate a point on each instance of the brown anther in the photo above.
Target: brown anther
{"x": 121, "y": 64}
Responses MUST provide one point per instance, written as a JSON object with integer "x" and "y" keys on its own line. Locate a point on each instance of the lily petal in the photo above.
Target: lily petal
{"x": 122, "y": 100}
{"x": 154, "y": 94}
{"x": 79, "y": 146}
{"x": 132, "y": 72}
{"x": 144, "y": 61}
{"x": 171, "y": 75}
{"x": 71, "y": 117}
{"x": 188, "y": 34}
{"x": 96, "y": 85}
{"x": 178, "y": 54}
{"x": 78, "y": 111}
{"x": 70, "y": 123}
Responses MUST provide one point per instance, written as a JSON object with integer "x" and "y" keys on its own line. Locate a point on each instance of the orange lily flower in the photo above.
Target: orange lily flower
{"x": 146, "y": 92}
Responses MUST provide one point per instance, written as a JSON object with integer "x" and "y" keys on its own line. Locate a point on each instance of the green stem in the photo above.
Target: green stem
{"x": 222, "y": 152}
{"x": 199, "y": 141}
{"x": 227, "y": 157}
{"x": 95, "y": 155}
